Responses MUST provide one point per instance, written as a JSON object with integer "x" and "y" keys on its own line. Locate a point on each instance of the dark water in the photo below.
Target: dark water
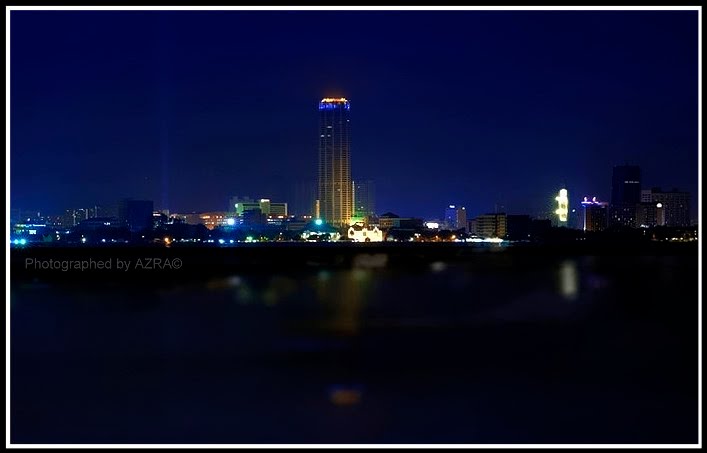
{"x": 555, "y": 350}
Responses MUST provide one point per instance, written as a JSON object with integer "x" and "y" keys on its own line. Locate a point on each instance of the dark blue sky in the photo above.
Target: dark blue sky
{"x": 473, "y": 108}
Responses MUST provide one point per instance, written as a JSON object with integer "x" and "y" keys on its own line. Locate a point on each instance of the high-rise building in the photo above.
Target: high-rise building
{"x": 626, "y": 184}
{"x": 649, "y": 214}
{"x": 334, "y": 170}
{"x": 562, "y": 210}
{"x": 594, "y": 214}
{"x": 625, "y": 195}
{"x": 675, "y": 207}
{"x": 455, "y": 217}
{"x": 364, "y": 201}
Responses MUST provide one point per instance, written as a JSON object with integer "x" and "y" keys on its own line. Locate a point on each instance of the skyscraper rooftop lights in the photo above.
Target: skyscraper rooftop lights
{"x": 334, "y": 103}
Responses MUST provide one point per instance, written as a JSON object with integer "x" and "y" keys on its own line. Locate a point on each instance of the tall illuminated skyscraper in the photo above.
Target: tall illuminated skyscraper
{"x": 334, "y": 182}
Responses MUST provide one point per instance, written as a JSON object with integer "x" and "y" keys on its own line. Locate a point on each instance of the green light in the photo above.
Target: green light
{"x": 318, "y": 222}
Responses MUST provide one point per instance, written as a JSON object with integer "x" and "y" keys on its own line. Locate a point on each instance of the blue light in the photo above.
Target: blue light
{"x": 23, "y": 241}
{"x": 334, "y": 105}
{"x": 16, "y": 241}
{"x": 318, "y": 222}
{"x": 221, "y": 241}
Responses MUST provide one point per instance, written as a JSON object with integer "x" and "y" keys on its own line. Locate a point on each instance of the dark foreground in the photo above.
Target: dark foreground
{"x": 358, "y": 345}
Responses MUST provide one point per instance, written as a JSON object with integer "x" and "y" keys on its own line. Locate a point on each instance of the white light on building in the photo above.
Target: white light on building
{"x": 562, "y": 202}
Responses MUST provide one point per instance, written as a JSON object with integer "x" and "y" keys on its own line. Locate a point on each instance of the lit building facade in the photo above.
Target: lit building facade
{"x": 649, "y": 214}
{"x": 360, "y": 233}
{"x": 210, "y": 220}
{"x": 594, "y": 214}
{"x": 248, "y": 211}
{"x": 455, "y": 217}
{"x": 675, "y": 206}
{"x": 562, "y": 210}
{"x": 489, "y": 226}
{"x": 334, "y": 190}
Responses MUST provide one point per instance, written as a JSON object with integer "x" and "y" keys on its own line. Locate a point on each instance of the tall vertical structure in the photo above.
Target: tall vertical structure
{"x": 625, "y": 195}
{"x": 455, "y": 217}
{"x": 364, "y": 198}
{"x": 562, "y": 210}
{"x": 334, "y": 184}
{"x": 626, "y": 184}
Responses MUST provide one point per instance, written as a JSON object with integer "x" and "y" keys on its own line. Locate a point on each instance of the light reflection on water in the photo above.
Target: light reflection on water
{"x": 342, "y": 301}
{"x": 569, "y": 279}
{"x": 357, "y": 354}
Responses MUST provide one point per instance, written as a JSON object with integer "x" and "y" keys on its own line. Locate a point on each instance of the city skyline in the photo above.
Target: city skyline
{"x": 343, "y": 225}
{"x": 143, "y": 122}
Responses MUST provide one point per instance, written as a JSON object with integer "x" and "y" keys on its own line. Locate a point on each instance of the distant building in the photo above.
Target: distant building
{"x": 646, "y": 196}
{"x": 136, "y": 214}
{"x": 159, "y": 219}
{"x": 390, "y": 220}
{"x": 675, "y": 206}
{"x": 649, "y": 214}
{"x": 364, "y": 198}
{"x": 360, "y": 233}
{"x": 625, "y": 195}
{"x": 455, "y": 217}
{"x": 562, "y": 210}
{"x": 100, "y": 223}
{"x": 253, "y": 217}
{"x": 334, "y": 169}
{"x": 239, "y": 205}
{"x": 54, "y": 221}
{"x": 489, "y": 225}
{"x": 594, "y": 214}
{"x": 296, "y": 223}
{"x": 517, "y": 227}
{"x": 626, "y": 184}
{"x": 31, "y": 231}
{"x": 73, "y": 217}
{"x": 210, "y": 220}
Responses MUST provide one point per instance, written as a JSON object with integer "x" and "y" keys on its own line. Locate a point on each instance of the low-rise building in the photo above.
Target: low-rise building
{"x": 360, "y": 233}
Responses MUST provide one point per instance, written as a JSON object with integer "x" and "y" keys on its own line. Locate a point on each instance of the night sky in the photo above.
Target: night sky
{"x": 472, "y": 108}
